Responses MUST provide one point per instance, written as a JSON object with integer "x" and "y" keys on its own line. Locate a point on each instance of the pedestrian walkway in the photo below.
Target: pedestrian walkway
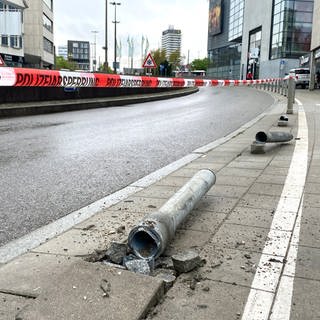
{"x": 246, "y": 228}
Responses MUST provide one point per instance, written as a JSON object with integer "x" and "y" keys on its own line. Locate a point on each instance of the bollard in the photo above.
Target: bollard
{"x": 291, "y": 95}
{"x": 283, "y": 121}
{"x": 151, "y": 236}
{"x": 282, "y": 87}
{"x": 271, "y": 137}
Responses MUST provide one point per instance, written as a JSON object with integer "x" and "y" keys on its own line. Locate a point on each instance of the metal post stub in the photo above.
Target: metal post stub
{"x": 257, "y": 148}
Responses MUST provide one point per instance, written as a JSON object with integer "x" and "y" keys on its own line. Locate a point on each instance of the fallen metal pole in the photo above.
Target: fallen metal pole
{"x": 151, "y": 236}
{"x": 265, "y": 137}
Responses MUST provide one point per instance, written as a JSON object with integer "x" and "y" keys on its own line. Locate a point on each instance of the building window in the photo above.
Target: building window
{"x": 47, "y": 23}
{"x": 5, "y": 40}
{"x": 16, "y": 42}
{"x": 48, "y": 3}
{"x": 291, "y": 28}
{"x": 47, "y": 45}
{"x": 236, "y": 19}
{"x": 225, "y": 62}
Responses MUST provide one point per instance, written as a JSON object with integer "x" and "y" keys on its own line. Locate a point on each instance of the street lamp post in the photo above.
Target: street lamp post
{"x": 106, "y": 39}
{"x": 115, "y": 4}
{"x": 94, "y": 62}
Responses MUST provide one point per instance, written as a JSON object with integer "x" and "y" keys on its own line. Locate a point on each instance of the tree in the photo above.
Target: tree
{"x": 175, "y": 59}
{"x": 61, "y": 63}
{"x": 159, "y": 56}
{"x": 200, "y": 64}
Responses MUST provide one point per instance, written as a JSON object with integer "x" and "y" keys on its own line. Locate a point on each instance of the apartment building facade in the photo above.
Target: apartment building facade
{"x": 39, "y": 36}
{"x": 11, "y": 32}
{"x": 79, "y": 53}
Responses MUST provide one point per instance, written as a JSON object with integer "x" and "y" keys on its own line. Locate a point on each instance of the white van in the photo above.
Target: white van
{"x": 301, "y": 76}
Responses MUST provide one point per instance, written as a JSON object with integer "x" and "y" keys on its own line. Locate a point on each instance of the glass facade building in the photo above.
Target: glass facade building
{"x": 291, "y": 28}
{"x": 236, "y": 19}
{"x": 224, "y": 45}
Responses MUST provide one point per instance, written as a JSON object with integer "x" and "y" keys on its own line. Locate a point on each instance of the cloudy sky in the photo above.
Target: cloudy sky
{"x": 75, "y": 20}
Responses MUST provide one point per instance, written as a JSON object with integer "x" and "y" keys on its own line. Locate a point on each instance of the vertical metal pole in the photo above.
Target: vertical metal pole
{"x": 312, "y": 71}
{"x": 106, "y": 40}
{"x": 291, "y": 93}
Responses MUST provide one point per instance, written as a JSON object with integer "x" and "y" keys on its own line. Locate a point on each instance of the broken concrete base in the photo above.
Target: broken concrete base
{"x": 282, "y": 123}
{"x": 257, "y": 147}
{"x": 80, "y": 293}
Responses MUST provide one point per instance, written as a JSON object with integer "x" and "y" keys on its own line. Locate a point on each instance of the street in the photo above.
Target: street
{"x": 52, "y": 165}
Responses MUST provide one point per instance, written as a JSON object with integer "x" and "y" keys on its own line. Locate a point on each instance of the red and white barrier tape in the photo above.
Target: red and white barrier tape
{"x": 22, "y": 77}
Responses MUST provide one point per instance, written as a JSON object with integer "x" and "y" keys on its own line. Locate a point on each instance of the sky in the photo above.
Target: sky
{"x": 75, "y": 20}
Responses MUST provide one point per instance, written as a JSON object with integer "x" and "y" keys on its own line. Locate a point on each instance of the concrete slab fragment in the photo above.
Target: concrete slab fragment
{"x": 310, "y": 228}
{"x": 187, "y": 239}
{"x": 239, "y": 237}
{"x": 311, "y": 200}
{"x": 251, "y": 217}
{"x": 229, "y": 265}
{"x": 305, "y": 301}
{"x": 308, "y": 263}
{"x": 76, "y": 242}
{"x": 109, "y": 221}
{"x": 208, "y": 300}
{"x": 30, "y": 274}
{"x": 78, "y": 293}
{"x": 10, "y": 305}
{"x": 313, "y": 188}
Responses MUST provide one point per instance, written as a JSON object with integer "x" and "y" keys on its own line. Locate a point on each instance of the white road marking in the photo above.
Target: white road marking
{"x": 284, "y": 234}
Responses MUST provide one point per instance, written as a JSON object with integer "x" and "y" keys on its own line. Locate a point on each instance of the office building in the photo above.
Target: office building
{"x": 39, "y": 27}
{"x": 79, "y": 53}
{"x": 224, "y": 38}
{"x": 63, "y": 52}
{"x": 269, "y": 36}
{"x": 171, "y": 40}
{"x": 11, "y": 32}
{"x": 315, "y": 45}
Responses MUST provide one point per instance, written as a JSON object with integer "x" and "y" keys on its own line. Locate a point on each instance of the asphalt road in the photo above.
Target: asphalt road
{"x": 51, "y": 165}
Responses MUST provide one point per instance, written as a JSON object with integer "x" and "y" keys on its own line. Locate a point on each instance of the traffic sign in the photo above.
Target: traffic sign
{"x": 2, "y": 64}
{"x": 149, "y": 62}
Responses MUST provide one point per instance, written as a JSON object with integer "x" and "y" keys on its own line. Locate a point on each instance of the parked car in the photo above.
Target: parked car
{"x": 301, "y": 76}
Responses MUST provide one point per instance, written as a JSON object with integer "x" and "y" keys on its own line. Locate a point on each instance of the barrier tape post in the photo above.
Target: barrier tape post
{"x": 291, "y": 94}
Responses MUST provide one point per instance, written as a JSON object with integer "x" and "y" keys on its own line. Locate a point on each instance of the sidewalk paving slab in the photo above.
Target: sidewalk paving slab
{"x": 94, "y": 291}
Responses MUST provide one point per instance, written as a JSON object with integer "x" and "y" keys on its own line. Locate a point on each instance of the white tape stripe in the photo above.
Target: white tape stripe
{"x": 279, "y": 236}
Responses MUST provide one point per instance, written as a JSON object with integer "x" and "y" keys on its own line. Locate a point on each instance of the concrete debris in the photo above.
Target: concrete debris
{"x": 116, "y": 252}
{"x": 138, "y": 266}
{"x": 168, "y": 277}
{"x": 113, "y": 265}
{"x": 121, "y": 229}
{"x": 164, "y": 262}
{"x": 105, "y": 287}
{"x": 186, "y": 261}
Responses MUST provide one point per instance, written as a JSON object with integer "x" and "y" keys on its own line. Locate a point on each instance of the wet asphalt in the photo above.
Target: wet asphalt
{"x": 51, "y": 165}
